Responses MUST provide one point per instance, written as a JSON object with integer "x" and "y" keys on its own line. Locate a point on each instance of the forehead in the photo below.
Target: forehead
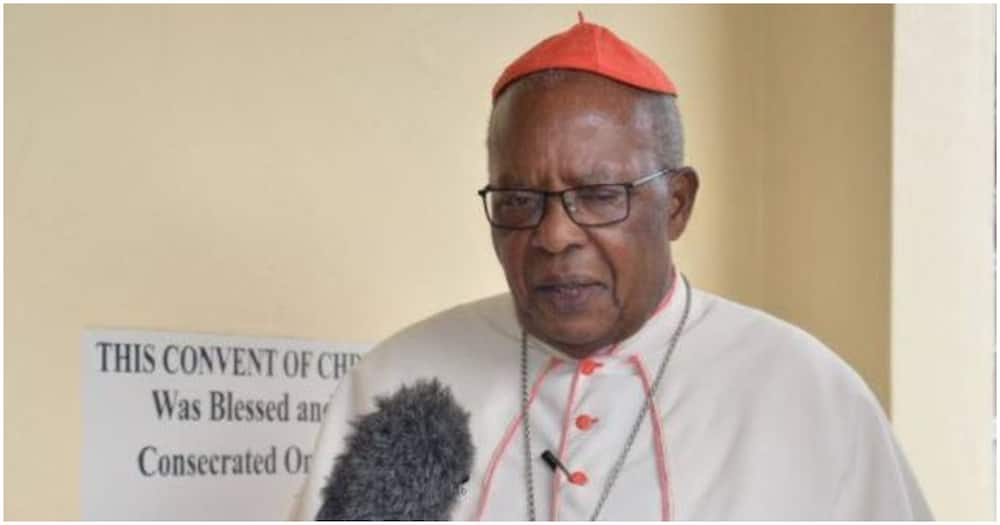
{"x": 579, "y": 128}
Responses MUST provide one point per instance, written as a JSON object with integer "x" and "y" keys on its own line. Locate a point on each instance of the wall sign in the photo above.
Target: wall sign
{"x": 186, "y": 426}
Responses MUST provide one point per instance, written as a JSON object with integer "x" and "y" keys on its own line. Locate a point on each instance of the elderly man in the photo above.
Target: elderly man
{"x": 653, "y": 399}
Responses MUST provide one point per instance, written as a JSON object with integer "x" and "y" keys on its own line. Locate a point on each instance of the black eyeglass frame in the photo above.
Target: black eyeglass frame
{"x": 628, "y": 186}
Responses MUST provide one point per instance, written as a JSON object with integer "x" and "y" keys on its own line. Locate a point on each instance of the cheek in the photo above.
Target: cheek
{"x": 635, "y": 257}
{"x": 510, "y": 248}
{"x": 617, "y": 252}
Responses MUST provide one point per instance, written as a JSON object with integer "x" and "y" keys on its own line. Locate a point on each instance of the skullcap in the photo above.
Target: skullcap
{"x": 592, "y": 48}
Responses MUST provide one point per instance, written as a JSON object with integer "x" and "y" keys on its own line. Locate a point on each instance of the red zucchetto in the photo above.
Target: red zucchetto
{"x": 592, "y": 48}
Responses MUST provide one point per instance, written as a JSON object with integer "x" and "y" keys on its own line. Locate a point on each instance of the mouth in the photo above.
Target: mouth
{"x": 568, "y": 295}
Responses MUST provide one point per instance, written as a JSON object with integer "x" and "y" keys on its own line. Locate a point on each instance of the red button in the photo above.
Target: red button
{"x": 584, "y": 422}
{"x": 578, "y": 478}
{"x": 588, "y": 366}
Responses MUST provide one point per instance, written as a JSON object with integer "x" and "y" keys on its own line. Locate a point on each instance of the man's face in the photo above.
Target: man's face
{"x": 582, "y": 288}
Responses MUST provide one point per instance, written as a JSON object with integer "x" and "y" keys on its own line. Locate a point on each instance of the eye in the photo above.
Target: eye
{"x": 514, "y": 200}
{"x": 600, "y": 195}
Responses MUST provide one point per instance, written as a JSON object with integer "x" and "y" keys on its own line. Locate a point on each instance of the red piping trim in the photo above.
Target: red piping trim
{"x": 661, "y": 461}
{"x": 505, "y": 442}
{"x": 554, "y": 512}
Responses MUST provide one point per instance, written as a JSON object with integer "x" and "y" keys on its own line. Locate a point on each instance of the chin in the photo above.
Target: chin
{"x": 576, "y": 339}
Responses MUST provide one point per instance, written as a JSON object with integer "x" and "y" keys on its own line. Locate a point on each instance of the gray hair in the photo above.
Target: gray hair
{"x": 662, "y": 108}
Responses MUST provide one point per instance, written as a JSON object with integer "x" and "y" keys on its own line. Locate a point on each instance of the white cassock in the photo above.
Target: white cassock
{"x": 754, "y": 420}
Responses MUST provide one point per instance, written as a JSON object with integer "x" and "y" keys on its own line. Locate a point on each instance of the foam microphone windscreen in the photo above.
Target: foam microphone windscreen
{"x": 407, "y": 460}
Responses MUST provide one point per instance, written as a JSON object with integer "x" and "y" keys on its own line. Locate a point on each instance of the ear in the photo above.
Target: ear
{"x": 683, "y": 190}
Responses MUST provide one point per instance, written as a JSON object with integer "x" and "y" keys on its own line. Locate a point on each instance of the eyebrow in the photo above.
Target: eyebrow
{"x": 593, "y": 177}
{"x": 508, "y": 179}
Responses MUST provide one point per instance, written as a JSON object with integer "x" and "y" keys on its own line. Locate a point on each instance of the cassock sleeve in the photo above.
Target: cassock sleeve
{"x": 876, "y": 483}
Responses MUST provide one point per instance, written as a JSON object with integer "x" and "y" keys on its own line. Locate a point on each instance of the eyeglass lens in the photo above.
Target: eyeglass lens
{"x": 588, "y": 206}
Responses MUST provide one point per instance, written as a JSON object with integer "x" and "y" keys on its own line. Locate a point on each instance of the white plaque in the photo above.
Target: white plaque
{"x": 184, "y": 426}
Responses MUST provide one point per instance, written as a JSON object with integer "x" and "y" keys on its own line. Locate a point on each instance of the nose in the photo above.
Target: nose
{"x": 557, "y": 232}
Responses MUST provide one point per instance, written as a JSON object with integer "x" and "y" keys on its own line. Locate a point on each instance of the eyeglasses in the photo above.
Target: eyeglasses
{"x": 591, "y": 205}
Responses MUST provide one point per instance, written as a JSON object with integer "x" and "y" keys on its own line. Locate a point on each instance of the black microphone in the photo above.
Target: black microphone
{"x": 406, "y": 461}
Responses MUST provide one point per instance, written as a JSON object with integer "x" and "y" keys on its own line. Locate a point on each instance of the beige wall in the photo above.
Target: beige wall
{"x": 309, "y": 171}
{"x": 943, "y": 300}
{"x": 826, "y": 73}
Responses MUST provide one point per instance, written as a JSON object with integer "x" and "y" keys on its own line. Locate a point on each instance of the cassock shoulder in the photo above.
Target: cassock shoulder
{"x": 770, "y": 386}
{"x": 450, "y": 345}
{"x": 469, "y": 348}
{"x": 769, "y": 374}
{"x": 774, "y": 352}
